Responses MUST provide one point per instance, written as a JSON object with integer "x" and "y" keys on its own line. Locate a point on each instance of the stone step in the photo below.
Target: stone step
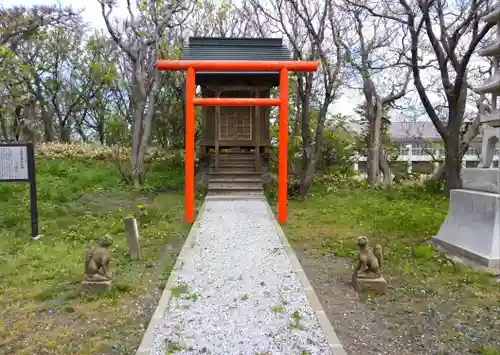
{"x": 235, "y": 174}
{"x": 229, "y": 163}
{"x": 232, "y": 192}
{"x": 234, "y": 169}
{"x": 233, "y": 188}
{"x": 231, "y": 195}
{"x": 237, "y": 179}
{"x": 234, "y": 185}
{"x": 233, "y": 157}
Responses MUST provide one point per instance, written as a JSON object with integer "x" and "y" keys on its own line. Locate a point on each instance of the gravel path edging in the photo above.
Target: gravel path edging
{"x": 146, "y": 345}
{"x": 327, "y": 328}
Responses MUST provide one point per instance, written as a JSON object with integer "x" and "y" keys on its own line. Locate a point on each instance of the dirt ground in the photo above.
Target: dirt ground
{"x": 417, "y": 323}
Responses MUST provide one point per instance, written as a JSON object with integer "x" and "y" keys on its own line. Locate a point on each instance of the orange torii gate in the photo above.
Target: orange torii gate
{"x": 236, "y": 66}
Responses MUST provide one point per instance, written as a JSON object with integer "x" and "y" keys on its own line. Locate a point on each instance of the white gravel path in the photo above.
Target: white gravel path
{"x": 239, "y": 294}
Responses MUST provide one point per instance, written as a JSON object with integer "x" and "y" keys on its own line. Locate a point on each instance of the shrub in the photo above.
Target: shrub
{"x": 97, "y": 151}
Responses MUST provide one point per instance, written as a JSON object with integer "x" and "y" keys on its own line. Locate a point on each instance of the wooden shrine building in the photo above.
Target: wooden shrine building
{"x": 234, "y": 140}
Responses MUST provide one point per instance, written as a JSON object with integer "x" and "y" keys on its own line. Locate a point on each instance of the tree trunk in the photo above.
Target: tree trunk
{"x": 385, "y": 167}
{"x": 48, "y": 128}
{"x": 372, "y": 167}
{"x": 454, "y": 149}
{"x": 306, "y": 175}
{"x": 65, "y": 133}
{"x": 147, "y": 128}
{"x": 374, "y": 151}
{"x": 315, "y": 155}
{"x": 3, "y": 127}
{"x": 141, "y": 122}
{"x": 100, "y": 131}
{"x": 296, "y": 127}
{"x": 452, "y": 163}
{"x": 135, "y": 159}
{"x": 81, "y": 133}
{"x": 465, "y": 141}
{"x": 439, "y": 173}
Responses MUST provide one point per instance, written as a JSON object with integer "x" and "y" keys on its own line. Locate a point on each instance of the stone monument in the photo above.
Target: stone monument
{"x": 96, "y": 266}
{"x": 368, "y": 270}
{"x": 132, "y": 235}
{"x": 472, "y": 228}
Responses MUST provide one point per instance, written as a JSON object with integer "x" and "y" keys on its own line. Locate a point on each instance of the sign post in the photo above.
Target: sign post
{"x": 17, "y": 164}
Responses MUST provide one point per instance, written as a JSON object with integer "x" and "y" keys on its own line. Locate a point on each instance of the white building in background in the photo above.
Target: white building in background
{"x": 420, "y": 145}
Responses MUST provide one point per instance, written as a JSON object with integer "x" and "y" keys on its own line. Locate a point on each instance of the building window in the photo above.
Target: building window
{"x": 417, "y": 149}
{"x": 235, "y": 123}
{"x": 472, "y": 151}
{"x": 420, "y": 149}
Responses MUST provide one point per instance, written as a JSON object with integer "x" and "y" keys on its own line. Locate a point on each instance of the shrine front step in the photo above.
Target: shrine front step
{"x": 235, "y": 163}
{"x": 235, "y": 194}
{"x": 234, "y": 156}
{"x": 233, "y": 169}
{"x": 234, "y": 185}
{"x": 243, "y": 178}
{"x": 237, "y": 156}
{"x": 235, "y": 175}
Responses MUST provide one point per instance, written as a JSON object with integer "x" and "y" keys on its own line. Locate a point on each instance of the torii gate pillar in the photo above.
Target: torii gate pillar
{"x": 247, "y": 66}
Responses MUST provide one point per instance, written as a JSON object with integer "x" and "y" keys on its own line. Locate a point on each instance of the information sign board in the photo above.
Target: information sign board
{"x": 17, "y": 164}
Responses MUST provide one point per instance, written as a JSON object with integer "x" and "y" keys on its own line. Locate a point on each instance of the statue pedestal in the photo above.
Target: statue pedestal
{"x": 472, "y": 227}
{"x": 481, "y": 179}
{"x": 96, "y": 286}
{"x": 379, "y": 285}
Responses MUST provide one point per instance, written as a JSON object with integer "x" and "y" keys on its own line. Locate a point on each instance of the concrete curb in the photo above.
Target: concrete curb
{"x": 146, "y": 345}
{"x": 330, "y": 335}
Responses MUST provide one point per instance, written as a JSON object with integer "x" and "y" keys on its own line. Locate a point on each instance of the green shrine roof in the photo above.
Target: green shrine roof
{"x": 214, "y": 48}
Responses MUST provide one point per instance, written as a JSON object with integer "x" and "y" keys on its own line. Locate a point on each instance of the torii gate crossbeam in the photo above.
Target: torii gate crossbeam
{"x": 236, "y": 66}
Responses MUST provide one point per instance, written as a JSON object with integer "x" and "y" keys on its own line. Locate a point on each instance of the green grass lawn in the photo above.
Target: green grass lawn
{"x": 80, "y": 200}
{"x": 402, "y": 220}
{"x": 42, "y": 310}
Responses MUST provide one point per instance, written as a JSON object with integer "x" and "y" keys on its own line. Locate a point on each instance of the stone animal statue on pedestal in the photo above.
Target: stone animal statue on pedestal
{"x": 369, "y": 260}
{"x": 96, "y": 265}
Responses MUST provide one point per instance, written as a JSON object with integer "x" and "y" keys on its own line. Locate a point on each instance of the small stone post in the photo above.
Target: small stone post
{"x": 132, "y": 234}
{"x": 410, "y": 158}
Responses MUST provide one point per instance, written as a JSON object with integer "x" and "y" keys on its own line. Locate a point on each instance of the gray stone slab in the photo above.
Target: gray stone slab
{"x": 481, "y": 179}
{"x": 472, "y": 227}
{"x": 132, "y": 234}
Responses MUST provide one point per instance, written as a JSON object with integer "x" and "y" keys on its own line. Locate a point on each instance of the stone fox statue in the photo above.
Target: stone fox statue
{"x": 96, "y": 266}
{"x": 369, "y": 260}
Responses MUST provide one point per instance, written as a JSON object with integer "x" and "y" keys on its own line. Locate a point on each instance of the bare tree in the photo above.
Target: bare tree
{"x": 317, "y": 40}
{"x": 453, "y": 31}
{"x": 19, "y": 26}
{"x": 220, "y": 19}
{"x": 378, "y": 57}
{"x": 20, "y": 23}
{"x": 140, "y": 39}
